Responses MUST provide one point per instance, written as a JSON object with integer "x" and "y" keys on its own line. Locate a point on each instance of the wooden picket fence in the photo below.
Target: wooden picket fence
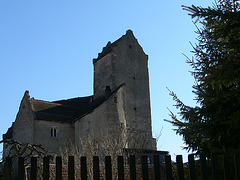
{"x": 218, "y": 167}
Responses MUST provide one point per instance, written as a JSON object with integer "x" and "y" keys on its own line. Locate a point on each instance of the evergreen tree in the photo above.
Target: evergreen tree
{"x": 214, "y": 124}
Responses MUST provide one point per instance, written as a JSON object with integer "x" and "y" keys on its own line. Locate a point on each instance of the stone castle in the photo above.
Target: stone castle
{"x": 121, "y": 100}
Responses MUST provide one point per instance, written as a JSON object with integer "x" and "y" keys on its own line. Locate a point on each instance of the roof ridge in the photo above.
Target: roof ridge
{"x": 51, "y": 102}
{"x": 72, "y": 98}
{"x": 100, "y": 103}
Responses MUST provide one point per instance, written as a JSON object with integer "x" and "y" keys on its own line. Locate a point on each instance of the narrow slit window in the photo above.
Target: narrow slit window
{"x": 53, "y": 132}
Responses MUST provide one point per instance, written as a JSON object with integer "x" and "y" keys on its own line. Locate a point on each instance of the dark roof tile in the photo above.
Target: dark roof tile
{"x": 67, "y": 110}
{"x": 64, "y": 110}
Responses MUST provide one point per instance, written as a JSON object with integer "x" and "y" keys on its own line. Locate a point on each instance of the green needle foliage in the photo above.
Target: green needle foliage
{"x": 213, "y": 125}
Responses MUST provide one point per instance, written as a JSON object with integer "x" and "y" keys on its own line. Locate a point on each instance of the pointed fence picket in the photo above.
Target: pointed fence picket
{"x": 204, "y": 168}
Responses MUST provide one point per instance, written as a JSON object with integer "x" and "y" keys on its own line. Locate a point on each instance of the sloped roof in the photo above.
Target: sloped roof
{"x": 63, "y": 110}
{"x": 67, "y": 110}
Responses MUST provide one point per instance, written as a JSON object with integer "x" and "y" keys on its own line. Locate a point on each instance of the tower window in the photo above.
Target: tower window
{"x": 115, "y": 99}
{"x": 107, "y": 91}
{"x": 121, "y": 125}
{"x": 53, "y": 132}
{"x": 88, "y": 126}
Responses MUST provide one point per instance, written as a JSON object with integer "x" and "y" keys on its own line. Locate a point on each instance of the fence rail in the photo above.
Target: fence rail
{"x": 217, "y": 167}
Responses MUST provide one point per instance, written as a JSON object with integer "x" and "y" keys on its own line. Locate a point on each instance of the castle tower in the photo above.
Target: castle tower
{"x": 124, "y": 62}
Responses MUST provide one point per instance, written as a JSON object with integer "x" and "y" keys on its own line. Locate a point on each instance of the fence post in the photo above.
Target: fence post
{"x": 46, "y": 168}
{"x": 59, "y": 168}
{"x": 215, "y": 173}
{"x": 192, "y": 169}
{"x": 227, "y": 167}
{"x": 21, "y": 169}
{"x": 96, "y": 168}
{"x": 108, "y": 168}
{"x": 83, "y": 168}
{"x": 120, "y": 168}
{"x": 156, "y": 162}
{"x": 237, "y": 165}
{"x": 8, "y": 168}
{"x": 168, "y": 163}
{"x": 180, "y": 167}
{"x": 33, "y": 174}
{"x": 132, "y": 167}
{"x": 204, "y": 171}
{"x": 71, "y": 168}
{"x": 144, "y": 167}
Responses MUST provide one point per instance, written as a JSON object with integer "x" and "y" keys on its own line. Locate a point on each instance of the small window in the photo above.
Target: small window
{"x": 88, "y": 126}
{"x": 115, "y": 99}
{"x": 53, "y": 132}
{"x": 121, "y": 125}
{"x": 149, "y": 160}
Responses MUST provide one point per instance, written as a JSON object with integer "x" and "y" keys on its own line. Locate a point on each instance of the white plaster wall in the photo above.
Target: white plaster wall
{"x": 42, "y": 135}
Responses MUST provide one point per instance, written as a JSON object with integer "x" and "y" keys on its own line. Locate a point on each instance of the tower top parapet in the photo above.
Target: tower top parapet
{"x": 110, "y": 46}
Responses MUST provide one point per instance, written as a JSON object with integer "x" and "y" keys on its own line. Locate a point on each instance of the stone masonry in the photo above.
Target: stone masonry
{"x": 121, "y": 100}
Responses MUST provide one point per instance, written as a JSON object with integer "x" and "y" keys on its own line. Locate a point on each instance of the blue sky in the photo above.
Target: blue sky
{"x": 47, "y": 47}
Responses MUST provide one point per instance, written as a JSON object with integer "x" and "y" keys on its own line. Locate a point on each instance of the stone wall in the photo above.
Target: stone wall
{"x": 127, "y": 64}
{"x": 77, "y": 172}
{"x": 23, "y": 127}
{"x": 103, "y": 119}
{"x": 124, "y": 69}
{"x": 42, "y": 135}
{"x": 103, "y": 75}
